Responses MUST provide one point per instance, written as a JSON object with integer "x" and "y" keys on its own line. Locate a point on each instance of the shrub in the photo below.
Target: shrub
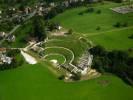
{"x": 90, "y": 10}
{"x": 98, "y": 28}
{"x": 118, "y": 24}
{"x": 70, "y": 31}
{"x": 62, "y": 77}
{"x": 125, "y": 24}
{"x": 131, "y": 36}
{"x": 98, "y": 12}
{"x": 81, "y": 13}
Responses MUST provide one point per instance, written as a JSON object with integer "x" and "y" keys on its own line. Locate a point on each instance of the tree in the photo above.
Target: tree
{"x": 116, "y": 62}
{"x": 98, "y": 50}
{"x": 70, "y": 31}
{"x": 118, "y": 24}
{"x": 38, "y": 28}
{"x": 22, "y": 7}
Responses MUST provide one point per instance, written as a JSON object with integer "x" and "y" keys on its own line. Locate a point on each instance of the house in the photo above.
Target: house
{"x": 5, "y": 59}
{"x": 40, "y": 11}
{"x": 11, "y": 38}
{"x": 65, "y": 3}
{"x": 2, "y": 34}
{"x": 52, "y": 4}
{"x": 12, "y": 9}
{"x": 28, "y": 10}
{"x": 58, "y": 27}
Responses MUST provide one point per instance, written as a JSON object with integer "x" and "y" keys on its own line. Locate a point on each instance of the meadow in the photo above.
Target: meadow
{"x": 100, "y": 27}
{"x": 36, "y": 82}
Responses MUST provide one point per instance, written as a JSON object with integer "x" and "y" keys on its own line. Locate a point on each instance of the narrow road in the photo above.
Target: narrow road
{"x": 12, "y": 31}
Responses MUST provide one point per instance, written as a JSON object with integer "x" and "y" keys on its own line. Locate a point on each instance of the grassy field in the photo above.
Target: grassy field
{"x": 114, "y": 40}
{"x": 36, "y": 82}
{"x": 86, "y": 24}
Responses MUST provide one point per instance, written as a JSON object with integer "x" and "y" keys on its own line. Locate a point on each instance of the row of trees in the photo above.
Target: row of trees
{"x": 116, "y": 62}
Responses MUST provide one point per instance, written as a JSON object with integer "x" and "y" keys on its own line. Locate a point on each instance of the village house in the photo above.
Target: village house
{"x": 65, "y": 3}
{"x": 52, "y": 4}
{"x": 40, "y": 11}
{"x": 28, "y": 10}
{"x": 2, "y": 34}
{"x": 12, "y": 9}
{"x": 0, "y": 14}
{"x": 3, "y": 57}
{"x": 11, "y": 38}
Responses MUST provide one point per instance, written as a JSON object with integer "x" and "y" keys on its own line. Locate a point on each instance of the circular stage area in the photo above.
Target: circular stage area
{"x": 55, "y": 58}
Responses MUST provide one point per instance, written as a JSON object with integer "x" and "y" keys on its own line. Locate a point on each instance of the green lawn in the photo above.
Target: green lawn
{"x": 114, "y": 40}
{"x": 36, "y": 82}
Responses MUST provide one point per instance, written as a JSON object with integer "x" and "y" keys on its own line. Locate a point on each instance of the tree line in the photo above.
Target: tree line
{"x": 117, "y": 62}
